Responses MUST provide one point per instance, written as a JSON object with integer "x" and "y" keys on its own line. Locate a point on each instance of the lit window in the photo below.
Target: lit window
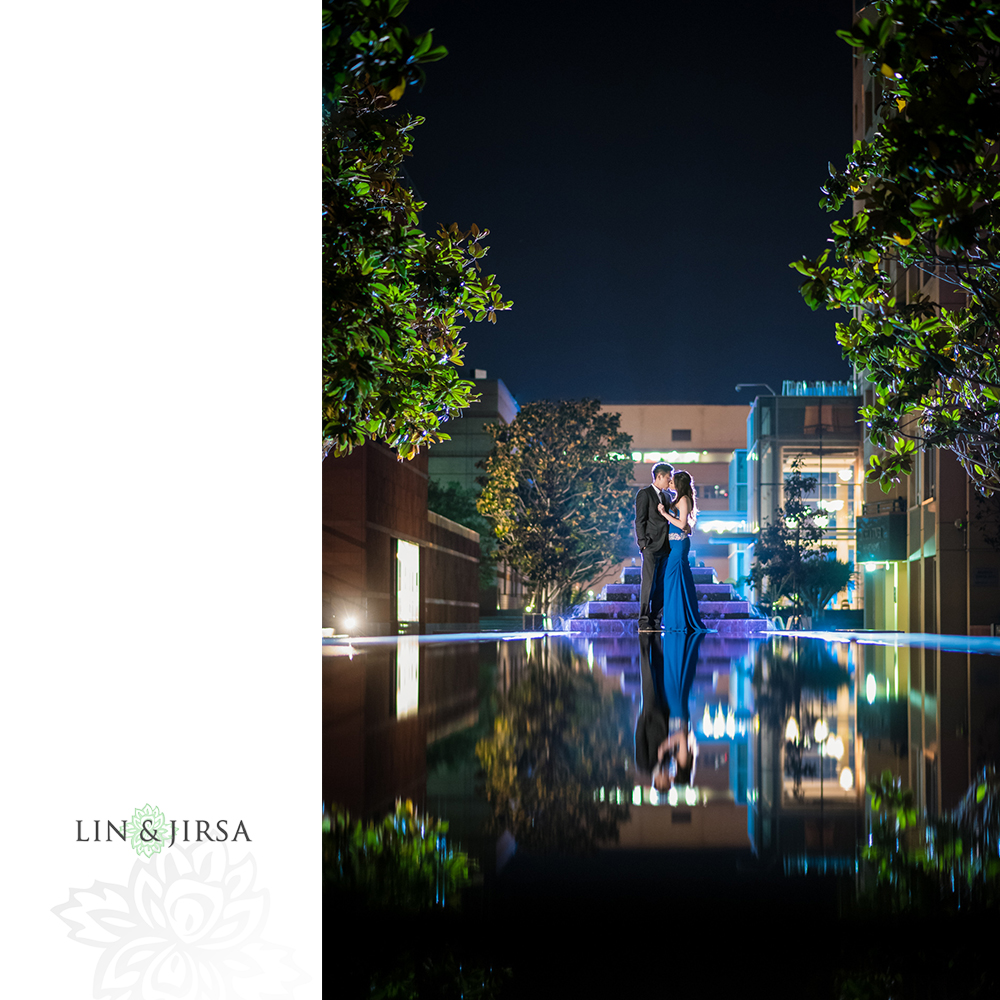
{"x": 407, "y": 581}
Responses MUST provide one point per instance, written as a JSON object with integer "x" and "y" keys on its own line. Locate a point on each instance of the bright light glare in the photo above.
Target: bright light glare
{"x": 870, "y": 689}
{"x": 870, "y": 567}
{"x": 706, "y": 722}
{"x": 792, "y": 729}
{"x": 832, "y": 505}
{"x": 731, "y": 724}
{"x": 350, "y": 621}
{"x": 722, "y": 525}
{"x": 719, "y": 726}
{"x": 834, "y": 747}
{"x": 672, "y": 796}
{"x": 846, "y": 474}
{"x": 637, "y": 795}
{"x": 821, "y": 730}
{"x": 690, "y": 795}
{"x": 846, "y": 779}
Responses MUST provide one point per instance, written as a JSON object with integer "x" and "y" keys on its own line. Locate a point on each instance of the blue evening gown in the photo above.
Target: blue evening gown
{"x": 680, "y": 600}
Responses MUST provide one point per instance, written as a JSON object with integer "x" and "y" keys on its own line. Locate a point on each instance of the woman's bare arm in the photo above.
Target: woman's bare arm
{"x": 683, "y": 509}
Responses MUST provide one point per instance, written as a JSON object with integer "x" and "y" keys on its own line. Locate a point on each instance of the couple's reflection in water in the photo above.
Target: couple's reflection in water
{"x": 665, "y": 746}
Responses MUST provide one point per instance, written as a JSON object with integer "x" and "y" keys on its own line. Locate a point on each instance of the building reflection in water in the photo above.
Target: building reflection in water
{"x": 383, "y": 705}
{"x": 807, "y": 772}
{"x": 534, "y": 739}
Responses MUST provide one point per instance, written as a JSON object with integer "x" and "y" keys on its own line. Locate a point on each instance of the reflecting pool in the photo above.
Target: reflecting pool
{"x": 664, "y": 808}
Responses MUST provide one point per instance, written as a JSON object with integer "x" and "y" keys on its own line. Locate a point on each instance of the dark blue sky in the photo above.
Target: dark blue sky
{"x": 647, "y": 175}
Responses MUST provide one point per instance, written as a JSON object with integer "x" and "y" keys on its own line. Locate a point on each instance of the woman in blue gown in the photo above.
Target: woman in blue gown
{"x": 680, "y": 600}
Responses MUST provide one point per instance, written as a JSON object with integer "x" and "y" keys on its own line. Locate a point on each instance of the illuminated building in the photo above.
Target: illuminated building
{"x": 700, "y": 439}
{"x": 816, "y": 423}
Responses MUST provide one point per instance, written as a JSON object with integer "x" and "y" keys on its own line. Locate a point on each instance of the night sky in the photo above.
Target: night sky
{"x": 646, "y": 176}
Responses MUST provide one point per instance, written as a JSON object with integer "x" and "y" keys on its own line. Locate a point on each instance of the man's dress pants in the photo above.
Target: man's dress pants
{"x": 654, "y": 565}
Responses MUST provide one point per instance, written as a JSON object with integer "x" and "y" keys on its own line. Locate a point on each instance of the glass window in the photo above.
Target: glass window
{"x": 407, "y": 581}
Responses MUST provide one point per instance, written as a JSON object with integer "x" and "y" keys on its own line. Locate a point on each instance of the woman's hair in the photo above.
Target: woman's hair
{"x": 684, "y": 487}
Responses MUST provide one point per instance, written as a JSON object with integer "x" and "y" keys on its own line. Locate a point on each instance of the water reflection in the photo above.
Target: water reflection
{"x": 805, "y": 794}
{"x": 546, "y": 757}
{"x": 569, "y": 744}
{"x": 665, "y": 744}
{"x": 555, "y": 763}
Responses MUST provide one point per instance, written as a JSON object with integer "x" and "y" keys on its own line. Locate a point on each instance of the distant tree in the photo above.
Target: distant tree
{"x": 458, "y": 503}
{"x": 394, "y": 298}
{"x": 926, "y": 191}
{"x": 557, "y": 487}
{"x": 556, "y": 742}
{"x": 790, "y": 556}
{"x": 819, "y": 579}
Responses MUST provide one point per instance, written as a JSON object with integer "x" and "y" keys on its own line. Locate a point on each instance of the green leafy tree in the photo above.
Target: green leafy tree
{"x": 394, "y": 298}
{"x": 458, "y": 503}
{"x": 557, "y": 741}
{"x": 790, "y": 556}
{"x": 557, "y": 488}
{"x": 402, "y": 863}
{"x": 819, "y": 579}
{"x": 932, "y": 865}
{"x": 926, "y": 193}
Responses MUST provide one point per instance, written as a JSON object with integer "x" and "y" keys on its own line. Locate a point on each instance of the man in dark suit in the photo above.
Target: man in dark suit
{"x": 651, "y": 535}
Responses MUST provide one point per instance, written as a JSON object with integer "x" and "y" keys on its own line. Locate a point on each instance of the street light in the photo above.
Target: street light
{"x": 750, "y": 385}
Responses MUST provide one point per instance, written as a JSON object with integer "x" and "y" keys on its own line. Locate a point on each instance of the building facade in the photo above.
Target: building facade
{"x": 699, "y": 439}
{"x": 929, "y": 713}
{"x": 816, "y": 425}
{"x": 457, "y": 461}
{"x": 390, "y": 566}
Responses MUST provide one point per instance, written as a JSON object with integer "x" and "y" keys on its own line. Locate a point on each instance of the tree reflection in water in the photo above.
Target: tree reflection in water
{"x": 558, "y": 757}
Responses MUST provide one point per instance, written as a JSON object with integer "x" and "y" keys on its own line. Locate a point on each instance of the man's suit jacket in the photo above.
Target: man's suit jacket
{"x": 651, "y": 527}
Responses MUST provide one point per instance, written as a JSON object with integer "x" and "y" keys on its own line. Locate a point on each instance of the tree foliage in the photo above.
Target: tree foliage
{"x": 790, "y": 556}
{"x": 402, "y": 863}
{"x": 557, "y": 489}
{"x": 557, "y": 742}
{"x": 458, "y": 503}
{"x": 933, "y": 865}
{"x": 926, "y": 193}
{"x": 394, "y": 298}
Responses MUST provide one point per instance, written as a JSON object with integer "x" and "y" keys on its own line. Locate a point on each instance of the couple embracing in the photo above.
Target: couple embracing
{"x": 665, "y": 513}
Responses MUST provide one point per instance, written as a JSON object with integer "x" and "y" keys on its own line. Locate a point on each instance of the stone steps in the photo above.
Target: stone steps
{"x": 630, "y": 626}
{"x": 723, "y": 608}
{"x": 630, "y": 609}
{"x": 616, "y": 610}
